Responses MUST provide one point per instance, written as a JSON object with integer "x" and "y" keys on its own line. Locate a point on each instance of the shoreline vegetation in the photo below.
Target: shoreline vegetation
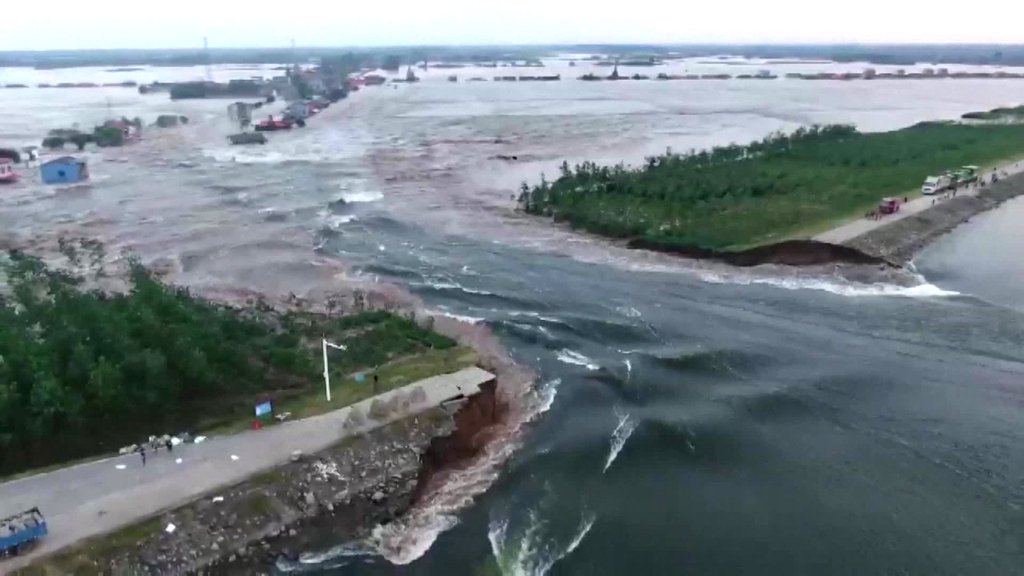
{"x": 881, "y": 54}
{"x": 733, "y": 198}
{"x": 85, "y": 371}
{"x": 1007, "y": 114}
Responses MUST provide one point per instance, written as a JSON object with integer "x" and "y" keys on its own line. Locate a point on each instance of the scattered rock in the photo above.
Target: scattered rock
{"x": 377, "y": 497}
{"x": 292, "y": 532}
{"x": 296, "y": 455}
{"x": 310, "y": 499}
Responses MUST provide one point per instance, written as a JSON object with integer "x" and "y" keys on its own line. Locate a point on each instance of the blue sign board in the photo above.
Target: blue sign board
{"x": 263, "y": 409}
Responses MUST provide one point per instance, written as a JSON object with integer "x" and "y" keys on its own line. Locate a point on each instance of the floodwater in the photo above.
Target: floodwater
{"x": 686, "y": 419}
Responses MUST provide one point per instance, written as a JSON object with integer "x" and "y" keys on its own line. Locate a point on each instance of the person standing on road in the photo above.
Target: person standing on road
{"x": 142, "y": 451}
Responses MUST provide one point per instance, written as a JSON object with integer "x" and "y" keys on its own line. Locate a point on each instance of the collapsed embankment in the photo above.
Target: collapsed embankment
{"x": 899, "y": 241}
{"x": 459, "y": 440}
{"x": 789, "y": 253}
{"x": 312, "y": 503}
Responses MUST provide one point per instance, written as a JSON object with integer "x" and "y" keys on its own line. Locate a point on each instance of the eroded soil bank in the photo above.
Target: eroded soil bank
{"x": 313, "y": 502}
{"x": 789, "y": 253}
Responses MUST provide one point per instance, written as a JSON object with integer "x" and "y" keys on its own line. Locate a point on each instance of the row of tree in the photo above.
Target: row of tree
{"x": 738, "y": 195}
{"x": 83, "y": 371}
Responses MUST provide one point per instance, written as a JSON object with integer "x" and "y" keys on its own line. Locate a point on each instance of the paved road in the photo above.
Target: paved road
{"x": 97, "y": 497}
{"x": 851, "y": 230}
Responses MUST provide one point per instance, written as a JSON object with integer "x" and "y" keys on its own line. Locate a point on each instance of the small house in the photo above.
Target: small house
{"x": 64, "y": 170}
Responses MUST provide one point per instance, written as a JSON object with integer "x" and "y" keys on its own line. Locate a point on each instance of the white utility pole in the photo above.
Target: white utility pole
{"x": 327, "y": 373}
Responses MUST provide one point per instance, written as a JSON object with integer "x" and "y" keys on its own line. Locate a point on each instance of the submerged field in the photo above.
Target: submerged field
{"x": 742, "y": 195}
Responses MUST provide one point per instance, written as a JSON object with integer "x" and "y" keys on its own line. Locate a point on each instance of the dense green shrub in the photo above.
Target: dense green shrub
{"x": 84, "y": 371}
{"x": 739, "y": 195}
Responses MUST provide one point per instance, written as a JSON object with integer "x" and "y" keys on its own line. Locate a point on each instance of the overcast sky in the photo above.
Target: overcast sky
{"x": 68, "y": 24}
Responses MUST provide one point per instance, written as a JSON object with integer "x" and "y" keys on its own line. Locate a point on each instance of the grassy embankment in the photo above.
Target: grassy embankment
{"x": 84, "y": 372}
{"x": 739, "y": 196}
{"x": 1006, "y": 114}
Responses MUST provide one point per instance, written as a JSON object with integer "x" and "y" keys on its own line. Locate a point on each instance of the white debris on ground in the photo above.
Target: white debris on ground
{"x": 326, "y": 469}
{"x": 234, "y": 457}
{"x": 177, "y": 461}
{"x": 218, "y": 499}
{"x": 121, "y": 466}
{"x": 199, "y": 439}
{"x": 170, "y": 528}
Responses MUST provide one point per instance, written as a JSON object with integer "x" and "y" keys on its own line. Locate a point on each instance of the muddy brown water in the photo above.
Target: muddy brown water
{"x": 686, "y": 417}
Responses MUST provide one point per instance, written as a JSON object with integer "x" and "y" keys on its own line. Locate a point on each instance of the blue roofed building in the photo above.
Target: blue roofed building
{"x": 64, "y": 170}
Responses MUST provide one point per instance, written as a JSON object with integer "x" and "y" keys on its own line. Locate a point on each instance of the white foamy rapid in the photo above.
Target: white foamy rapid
{"x": 444, "y": 285}
{"x": 623, "y": 430}
{"x": 575, "y": 358}
{"x": 839, "y": 287}
{"x": 364, "y": 196}
{"x": 412, "y": 535}
{"x": 798, "y": 280}
{"x": 336, "y": 221}
{"x": 459, "y": 317}
{"x": 531, "y": 554}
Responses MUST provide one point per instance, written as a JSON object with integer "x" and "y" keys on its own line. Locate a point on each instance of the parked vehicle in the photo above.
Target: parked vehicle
{"x": 967, "y": 174}
{"x": 271, "y": 125}
{"x": 20, "y": 532}
{"x": 7, "y": 173}
{"x": 936, "y": 184}
{"x": 889, "y": 206}
{"x": 248, "y": 138}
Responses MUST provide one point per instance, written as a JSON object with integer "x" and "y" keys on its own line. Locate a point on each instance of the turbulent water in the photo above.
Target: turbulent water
{"x": 687, "y": 418}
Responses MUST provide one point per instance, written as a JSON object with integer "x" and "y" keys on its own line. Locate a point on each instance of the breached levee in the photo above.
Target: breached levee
{"x": 788, "y": 253}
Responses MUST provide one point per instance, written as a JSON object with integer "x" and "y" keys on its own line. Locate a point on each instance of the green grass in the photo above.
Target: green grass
{"x": 1006, "y": 113}
{"x": 781, "y": 187}
{"x": 81, "y": 558}
{"x": 345, "y": 390}
{"x": 84, "y": 372}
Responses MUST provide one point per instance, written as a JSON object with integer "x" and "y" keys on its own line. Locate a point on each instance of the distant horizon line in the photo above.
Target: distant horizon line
{"x": 752, "y": 44}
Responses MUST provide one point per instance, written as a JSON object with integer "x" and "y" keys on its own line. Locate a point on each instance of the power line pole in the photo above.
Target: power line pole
{"x": 327, "y": 373}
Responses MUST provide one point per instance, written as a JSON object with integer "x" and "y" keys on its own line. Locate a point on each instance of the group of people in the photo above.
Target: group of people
{"x": 154, "y": 444}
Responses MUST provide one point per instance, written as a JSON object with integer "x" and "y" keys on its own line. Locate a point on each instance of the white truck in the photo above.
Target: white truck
{"x": 936, "y": 184}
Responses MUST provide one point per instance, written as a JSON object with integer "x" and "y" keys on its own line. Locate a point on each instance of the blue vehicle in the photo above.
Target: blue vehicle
{"x": 21, "y": 531}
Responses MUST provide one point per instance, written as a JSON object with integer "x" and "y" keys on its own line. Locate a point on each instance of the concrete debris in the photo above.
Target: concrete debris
{"x": 326, "y": 469}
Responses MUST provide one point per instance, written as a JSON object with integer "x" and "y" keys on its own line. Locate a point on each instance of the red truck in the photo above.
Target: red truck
{"x": 889, "y": 206}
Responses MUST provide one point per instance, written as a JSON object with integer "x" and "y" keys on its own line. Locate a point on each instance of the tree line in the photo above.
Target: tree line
{"x": 84, "y": 371}
{"x": 740, "y": 195}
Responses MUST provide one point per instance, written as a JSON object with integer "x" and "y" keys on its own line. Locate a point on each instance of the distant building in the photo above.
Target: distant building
{"x": 64, "y": 170}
